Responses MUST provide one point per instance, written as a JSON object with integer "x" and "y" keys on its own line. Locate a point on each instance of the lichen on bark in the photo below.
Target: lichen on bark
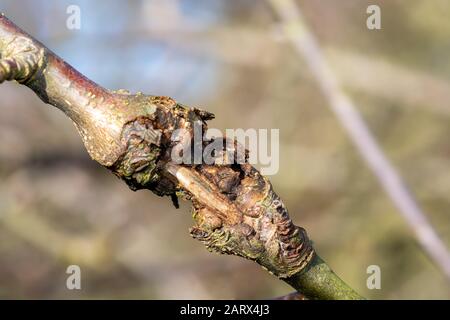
{"x": 266, "y": 234}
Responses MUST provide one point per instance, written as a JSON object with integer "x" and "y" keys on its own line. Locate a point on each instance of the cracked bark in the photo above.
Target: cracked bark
{"x": 235, "y": 208}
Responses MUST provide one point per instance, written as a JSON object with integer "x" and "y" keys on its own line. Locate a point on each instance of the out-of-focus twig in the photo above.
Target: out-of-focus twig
{"x": 376, "y": 76}
{"x": 406, "y": 86}
{"x": 306, "y": 45}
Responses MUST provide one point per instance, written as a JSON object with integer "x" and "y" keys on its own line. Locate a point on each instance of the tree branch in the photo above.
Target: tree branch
{"x": 346, "y": 112}
{"x": 235, "y": 209}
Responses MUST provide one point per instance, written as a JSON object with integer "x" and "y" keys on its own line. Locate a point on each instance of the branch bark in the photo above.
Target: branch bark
{"x": 235, "y": 208}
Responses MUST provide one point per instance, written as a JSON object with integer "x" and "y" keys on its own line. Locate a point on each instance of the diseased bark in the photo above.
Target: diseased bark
{"x": 235, "y": 208}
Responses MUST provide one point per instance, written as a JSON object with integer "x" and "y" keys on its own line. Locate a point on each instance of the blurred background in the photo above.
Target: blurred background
{"x": 58, "y": 207}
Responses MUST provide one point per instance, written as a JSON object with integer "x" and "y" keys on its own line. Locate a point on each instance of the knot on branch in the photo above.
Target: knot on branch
{"x": 20, "y": 60}
{"x": 266, "y": 234}
{"x": 148, "y": 139}
{"x": 235, "y": 208}
{"x": 138, "y": 163}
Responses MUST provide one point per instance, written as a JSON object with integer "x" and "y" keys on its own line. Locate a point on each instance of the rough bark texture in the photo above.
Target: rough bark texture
{"x": 235, "y": 209}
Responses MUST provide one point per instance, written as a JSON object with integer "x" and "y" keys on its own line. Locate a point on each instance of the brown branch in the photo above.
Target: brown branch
{"x": 235, "y": 209}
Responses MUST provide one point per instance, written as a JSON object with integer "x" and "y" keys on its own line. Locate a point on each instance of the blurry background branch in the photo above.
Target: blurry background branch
{"x": 346, "y": 112}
